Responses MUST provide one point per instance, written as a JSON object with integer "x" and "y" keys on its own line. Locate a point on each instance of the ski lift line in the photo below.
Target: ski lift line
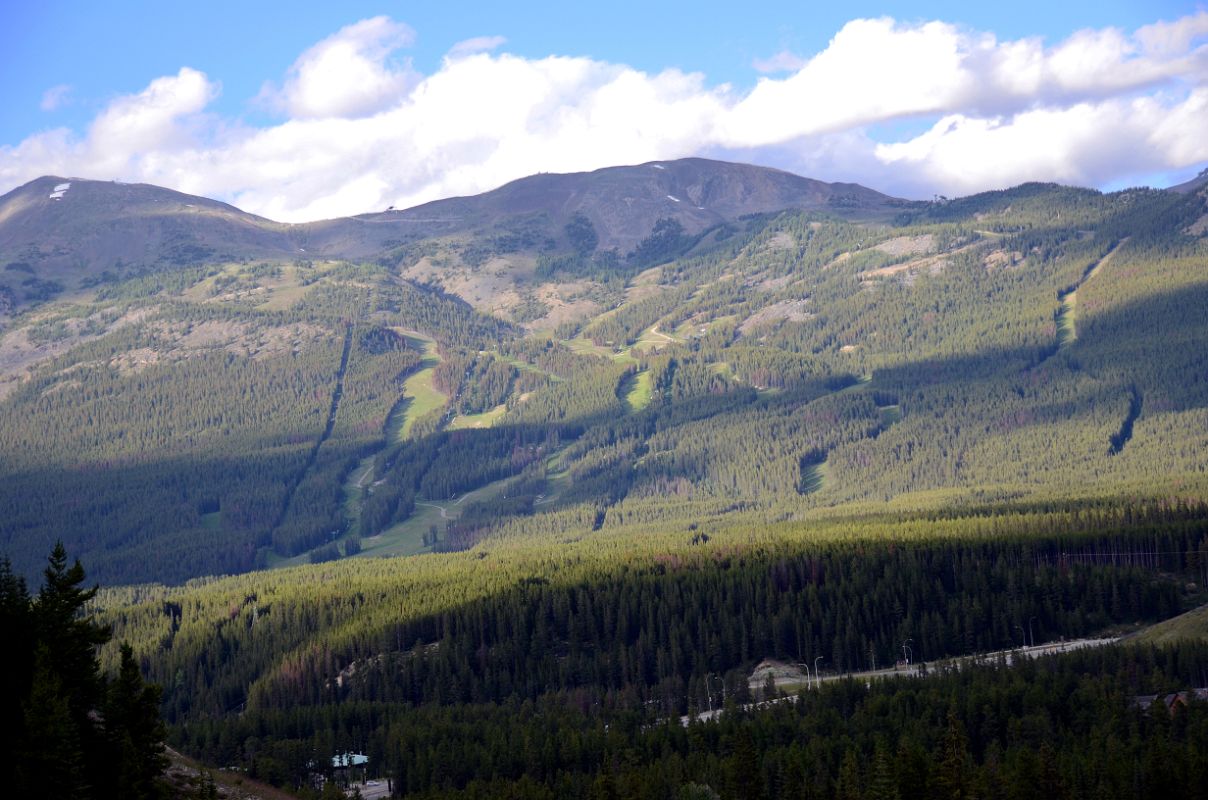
{"x": 1128, "y": 553}
{"x": 394, "y": 220}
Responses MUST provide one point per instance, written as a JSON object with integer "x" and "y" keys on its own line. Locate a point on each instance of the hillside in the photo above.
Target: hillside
{"x": 624, "y": 203}
{"x": 62, "y": 235}
{"x": 499, "y": 505}
{"x": 246, "y": 409}
{"x": 88, "y": 230}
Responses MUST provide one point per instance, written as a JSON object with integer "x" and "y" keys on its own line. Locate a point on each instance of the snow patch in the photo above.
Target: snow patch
{"x": 673, "y": 197}
{"x": 59, "y": 191}
{"x": 657, "y": 166}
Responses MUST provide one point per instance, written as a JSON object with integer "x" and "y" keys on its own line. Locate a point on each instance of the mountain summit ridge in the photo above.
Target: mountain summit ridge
{"x": 92, "y": 226}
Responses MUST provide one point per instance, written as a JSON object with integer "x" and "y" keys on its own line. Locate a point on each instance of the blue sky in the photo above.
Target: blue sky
{"x": 236, "y": 82}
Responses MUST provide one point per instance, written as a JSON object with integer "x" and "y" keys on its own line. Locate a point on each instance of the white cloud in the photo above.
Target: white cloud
{"x": 145, "y": 136}
{"x": 348, "y": 74}
{"x": 364, "y": 131}
{"x": 55, "y": 97}
{"x": 478, "y": 44}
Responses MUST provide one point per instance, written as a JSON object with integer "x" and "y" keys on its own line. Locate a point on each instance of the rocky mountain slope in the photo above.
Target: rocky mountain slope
{"x": 59, "y": 234}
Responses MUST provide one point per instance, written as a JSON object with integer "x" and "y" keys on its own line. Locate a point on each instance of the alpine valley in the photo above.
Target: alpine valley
{"x": 688, "y": 479}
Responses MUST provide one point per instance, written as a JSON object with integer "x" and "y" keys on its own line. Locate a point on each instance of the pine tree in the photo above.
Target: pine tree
{"x": 135, "y": 731}
{"x": 952, "y": 776}
{"x": 51, "y": 759}
{"x": 881, "y": 783}
{"x": 68, "y": 731}
{"x": 848, "y": 786}
{"x": 70, "y": 638}
{"x": 745, "y": 778}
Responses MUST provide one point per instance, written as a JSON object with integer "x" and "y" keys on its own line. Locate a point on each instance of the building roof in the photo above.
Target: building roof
{"x": 349, "y": 760}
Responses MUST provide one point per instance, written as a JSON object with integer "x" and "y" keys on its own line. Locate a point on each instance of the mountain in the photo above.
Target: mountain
{"x": 1193, "y": 185}
{"x": 74, "y": 230}
{"x": 624, "y": 203}
{"x": 515, "y": 501}
{"x": 51, "y": 241}
{"x": 256, "y": 402}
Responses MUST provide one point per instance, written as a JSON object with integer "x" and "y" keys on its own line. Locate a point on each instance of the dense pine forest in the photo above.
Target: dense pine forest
{"x": 509, "y": 512}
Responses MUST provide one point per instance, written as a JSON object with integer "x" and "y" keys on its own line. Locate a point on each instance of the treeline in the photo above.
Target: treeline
{"x": 1068, "y": 726}
{"x": 654, "y": 637}
{"x": 472, "y": 696}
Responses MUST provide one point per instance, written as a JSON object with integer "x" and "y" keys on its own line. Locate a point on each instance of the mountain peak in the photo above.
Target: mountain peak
{"x": 625, "y": 202}
{"x": 73, "y": 230}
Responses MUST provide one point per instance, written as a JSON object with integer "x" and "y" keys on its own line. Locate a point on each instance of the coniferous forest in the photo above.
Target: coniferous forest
{"x": 513, "y": 514}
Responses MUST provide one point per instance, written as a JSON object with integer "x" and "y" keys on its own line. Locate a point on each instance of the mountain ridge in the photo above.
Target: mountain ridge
{"x": 94, "y": 227}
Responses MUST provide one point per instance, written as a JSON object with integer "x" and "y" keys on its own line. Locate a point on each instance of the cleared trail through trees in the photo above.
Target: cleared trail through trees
{"x": 354, "y": 489}
{"x": 444, "y": 514}
{"x": 1067, "y": 330}
{"x": 336, "y": 394}
{"x": 814, "y": 465}
{"x": 418, "y": 398}
{"x": 1067, "y": 334}
{"x": 419, "y": 395}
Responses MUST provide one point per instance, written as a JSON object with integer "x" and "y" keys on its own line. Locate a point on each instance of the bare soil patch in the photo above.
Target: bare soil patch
{"x": 908, "y": 245}
{"x": 791, "y": 310}
{"x": 20, "y": 354}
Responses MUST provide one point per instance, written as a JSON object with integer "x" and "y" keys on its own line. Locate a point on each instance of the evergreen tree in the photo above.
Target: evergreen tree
{"x": 51, "y": 757}
{"x": 68, "y": 732}
{"x": 952, "y": 775}
{"x": 135, "y": 731}
{"x": 882, "y": 784}
{"x": 70, "y": 638}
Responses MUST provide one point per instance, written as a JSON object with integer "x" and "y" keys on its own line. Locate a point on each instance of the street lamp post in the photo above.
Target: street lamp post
{"x": 816, "y": 675}
{"x": 907, "y": 651}
{"x": 1031, "y": 636}
{"x": 1022, "y": 634}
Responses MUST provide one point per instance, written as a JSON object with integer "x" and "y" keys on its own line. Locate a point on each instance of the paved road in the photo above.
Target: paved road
{"x": 372, "y": 790}
{"x": 917, "y": 670}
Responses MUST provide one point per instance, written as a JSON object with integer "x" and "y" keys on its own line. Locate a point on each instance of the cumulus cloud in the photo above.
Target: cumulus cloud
{"x": 146, "y": 135}
{"x": 348, "y": 74}
{"x": 478, "y": 44}
{"x": 364, "y": 131}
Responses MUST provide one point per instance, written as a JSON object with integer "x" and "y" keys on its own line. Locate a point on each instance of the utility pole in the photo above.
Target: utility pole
{"x": 709, "y": 689}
